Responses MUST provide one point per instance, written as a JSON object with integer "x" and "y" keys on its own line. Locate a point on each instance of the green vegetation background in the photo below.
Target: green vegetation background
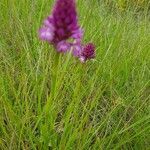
{"x": 103, "y": 104}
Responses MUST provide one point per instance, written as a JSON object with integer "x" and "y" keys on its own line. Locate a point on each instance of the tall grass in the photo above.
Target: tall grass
{"x": 103, "y": 104}
{"x": 124, "y": 5}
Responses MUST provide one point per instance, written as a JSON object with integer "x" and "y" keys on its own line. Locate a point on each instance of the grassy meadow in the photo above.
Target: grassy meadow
{"x": 103, "y": 104}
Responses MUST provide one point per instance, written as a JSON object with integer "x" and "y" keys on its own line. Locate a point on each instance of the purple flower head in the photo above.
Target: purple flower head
{"x": 61, "y": 25}
{"x": 88, "y": 52}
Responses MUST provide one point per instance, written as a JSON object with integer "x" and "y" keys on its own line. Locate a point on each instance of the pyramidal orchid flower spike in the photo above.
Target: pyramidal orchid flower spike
{"x": 88, "y": 52}
{"x": 61, "y": 26}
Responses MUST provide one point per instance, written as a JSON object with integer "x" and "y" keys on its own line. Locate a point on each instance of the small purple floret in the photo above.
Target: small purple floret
{"x": 46, "y": 34}
{"x": 77, "y": 34}
{"x": 77, "y": 49}
{"x": 63, "y": 46}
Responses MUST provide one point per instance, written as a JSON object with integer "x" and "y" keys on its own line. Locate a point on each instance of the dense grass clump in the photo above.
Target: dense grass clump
{"x": 124, "y": 5}
{"x": 103, "y": 104}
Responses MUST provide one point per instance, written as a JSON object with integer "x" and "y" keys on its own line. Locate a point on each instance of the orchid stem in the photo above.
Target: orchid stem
{"x": 51, "y": 98}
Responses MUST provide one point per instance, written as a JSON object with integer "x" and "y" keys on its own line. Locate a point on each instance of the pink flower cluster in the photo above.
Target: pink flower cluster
{"x": 61, "y": 26}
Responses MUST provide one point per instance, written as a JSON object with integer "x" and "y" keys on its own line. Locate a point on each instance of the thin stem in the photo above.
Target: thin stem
{"x": 53, "y": 83}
